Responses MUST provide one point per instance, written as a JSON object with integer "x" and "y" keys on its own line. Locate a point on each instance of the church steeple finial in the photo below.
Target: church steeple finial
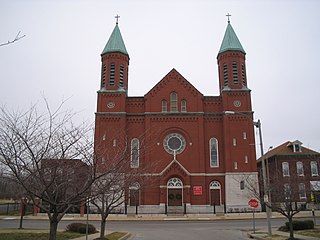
{"x": 117, "y": 17}
{"x": 228, "y": 15}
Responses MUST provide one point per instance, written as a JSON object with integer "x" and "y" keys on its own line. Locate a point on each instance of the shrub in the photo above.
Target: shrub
{"x": 301, "y": 225}
{"x": 80, "y": 228}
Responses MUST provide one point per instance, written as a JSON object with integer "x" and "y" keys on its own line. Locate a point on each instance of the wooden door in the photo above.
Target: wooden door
{"x": 174, "y": 197}
{"x": 134, "y": 197}
{"x": 215, "y": 196}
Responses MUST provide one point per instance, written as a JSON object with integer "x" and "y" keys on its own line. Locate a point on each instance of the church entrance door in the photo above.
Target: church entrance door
{"x": 175, "y": 197}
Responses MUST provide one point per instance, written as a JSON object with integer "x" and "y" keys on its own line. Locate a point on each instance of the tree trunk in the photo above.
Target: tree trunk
{"x": 291, "y": 228}
{"x": 102, "y": 227}
{"x": 53, "y": 229}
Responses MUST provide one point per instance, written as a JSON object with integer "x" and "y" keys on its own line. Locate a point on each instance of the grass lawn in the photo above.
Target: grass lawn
{"x": 35, "y": 234}
{"x": 311, "y": 232}
{"x": 115, "y": 235}
{"x": 28, "y": 234}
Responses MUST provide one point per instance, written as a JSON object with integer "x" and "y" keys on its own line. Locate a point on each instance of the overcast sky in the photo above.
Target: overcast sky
{"x": 60, "y": 55}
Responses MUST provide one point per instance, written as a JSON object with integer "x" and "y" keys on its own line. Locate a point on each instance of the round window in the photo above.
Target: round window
{"x": 174, "y": 143}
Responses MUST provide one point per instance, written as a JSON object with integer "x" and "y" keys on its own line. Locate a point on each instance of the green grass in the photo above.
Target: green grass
{"x": 16, "y": 234}
{"x": 310, "y": 232}
{"x": 115, "y": 235}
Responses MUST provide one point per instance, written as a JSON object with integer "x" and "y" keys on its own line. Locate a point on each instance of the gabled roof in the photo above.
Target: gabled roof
{"x": 286, "y": 149}
{"x": 230, "y": 41}
{"x": 115, "y": 42}
{"x": 175, "y": 76}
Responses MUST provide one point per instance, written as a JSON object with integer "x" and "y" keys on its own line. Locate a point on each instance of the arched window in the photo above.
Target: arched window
{"x": 183, "y": 105}
{"x": 243, "y": 75}
{"x": 164, "y": 106}
{"x": 314, "y": 168}
{"x": 174, "y": 102}
{"x": 225, "y": 74}
{"x": 285, "y": 169}
{"x": 134, "y": 153}
{"x": 175, "y": 183}
{"x": 214, "y": 158}
{"x": 215, "y": 185}
{"x": 121, "y": 75}
{"x": 235, "y": 72}
{"x": 112, "y": 71}
{"x": 300, "y": 171}
{"x": 302, "y": 191}
{"x": 103, "y": 80}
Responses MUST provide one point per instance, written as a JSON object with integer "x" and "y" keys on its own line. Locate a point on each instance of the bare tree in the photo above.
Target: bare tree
{"x": 122, "y": 171}
{"x": 50, "y": 157}
{"x": 14, "y": 40}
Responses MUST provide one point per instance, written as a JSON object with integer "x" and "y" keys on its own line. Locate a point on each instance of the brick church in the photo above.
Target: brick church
{"x": 202, "y": 154}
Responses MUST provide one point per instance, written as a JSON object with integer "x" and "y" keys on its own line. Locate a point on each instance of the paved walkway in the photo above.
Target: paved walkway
{"x": 262, "y": 234}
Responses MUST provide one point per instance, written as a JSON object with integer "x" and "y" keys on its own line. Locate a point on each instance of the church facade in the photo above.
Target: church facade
{"x": 201, "y": 148}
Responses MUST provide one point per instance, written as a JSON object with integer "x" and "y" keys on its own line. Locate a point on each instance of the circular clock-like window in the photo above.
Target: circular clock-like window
{"x": 111, "y": 104}
{"x": 174, "y": 143}
{"x": 237, "y": 103}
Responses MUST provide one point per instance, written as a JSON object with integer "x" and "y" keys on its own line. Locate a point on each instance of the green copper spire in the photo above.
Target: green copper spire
{"x": 230, "y": 41}
{"x": 115, "y": 42}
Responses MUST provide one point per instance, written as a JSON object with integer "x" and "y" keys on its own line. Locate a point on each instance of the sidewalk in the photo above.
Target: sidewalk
{"x": 263, "y": 234}
{"x": 163, "y": 217}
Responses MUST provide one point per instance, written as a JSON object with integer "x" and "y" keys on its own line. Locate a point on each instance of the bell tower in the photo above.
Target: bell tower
{"x": 115, "y": 62}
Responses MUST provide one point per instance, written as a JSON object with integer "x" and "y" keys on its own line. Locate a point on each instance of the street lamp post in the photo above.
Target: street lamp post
{"x": 264, "y": 172}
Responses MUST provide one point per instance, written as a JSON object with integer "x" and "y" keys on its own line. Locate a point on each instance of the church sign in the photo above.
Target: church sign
{"x": 197, "y": 190}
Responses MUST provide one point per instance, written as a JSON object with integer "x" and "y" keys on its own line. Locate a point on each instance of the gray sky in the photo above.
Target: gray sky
{"x": 60, "y": 56}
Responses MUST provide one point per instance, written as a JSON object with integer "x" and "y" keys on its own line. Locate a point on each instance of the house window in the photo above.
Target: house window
{"x": 235, "y": 73}
{"x": 112, "y": 71}
{"x": 246, "y": 160}
{"x": 164, "y": 106}
{"x": 174, "y": 102}
{"x": 121, "y": 75}
{"x": 242, "y": 185}
{"x": 300, "y": 169}
{"x": 183, "y": 106}
{"x": 114, "y": 143}
{"x": 135, "y": 153}
{"x": 287, "y": 191}
{"x": 214, "y": 160}
{"x": 225, "y": 74}
{"x": 296, "y": 147}
{"x": 302, "y": 191}
{"x": 314, "y": 168}
{"x": 243, "y": 74}
{"x": 285, "y": 169}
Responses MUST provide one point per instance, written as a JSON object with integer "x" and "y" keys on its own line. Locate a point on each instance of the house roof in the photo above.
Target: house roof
{"x": 115, "y": 42}
{"x": 230, "y": 41}
{"x": 286, "y": 149}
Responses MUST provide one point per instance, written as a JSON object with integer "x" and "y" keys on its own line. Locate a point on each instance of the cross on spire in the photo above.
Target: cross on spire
{"x": 117, "y": 17}
{"x": 228, "y": 15}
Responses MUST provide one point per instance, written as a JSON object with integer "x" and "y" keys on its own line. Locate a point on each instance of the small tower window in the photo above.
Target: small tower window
{"x": 103, "y": 80}
{"x": 174, "y": 102}
{"x": 112, "y": 71}
{"x": 243, "y": 75}
{"x": 183, "y": 106}
{"x": 121, "y": 75}
{"x": 164, "y": 106}
{"x": 235, "y": 72}
{"x": 225, "y": 74}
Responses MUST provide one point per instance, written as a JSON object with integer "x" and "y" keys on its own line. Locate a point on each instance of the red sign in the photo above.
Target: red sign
{"x": 197, "y": 190}
{"x": 253, "y": 203}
